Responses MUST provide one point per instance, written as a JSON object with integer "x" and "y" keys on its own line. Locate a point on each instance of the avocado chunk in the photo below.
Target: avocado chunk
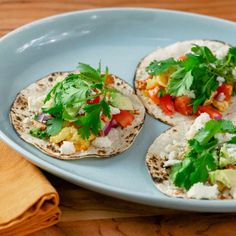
{"x": 227, "y": 155}
{"x": 122, "y": 102}
{"x": 226, "y": 177}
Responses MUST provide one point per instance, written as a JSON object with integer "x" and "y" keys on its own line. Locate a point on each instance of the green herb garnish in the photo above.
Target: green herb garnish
{"x": 200, "y": 157}
{"x": 196, "y": 74}
{"x": 38, "y": 133}
{"x": 70, "y": 98}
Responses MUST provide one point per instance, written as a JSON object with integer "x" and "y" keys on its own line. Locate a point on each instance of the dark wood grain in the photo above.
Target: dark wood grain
{"x": 86, "y": 213}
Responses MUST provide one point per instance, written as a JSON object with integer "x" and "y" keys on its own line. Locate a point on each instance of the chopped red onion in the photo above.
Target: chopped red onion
{"x": 43, "y": 117}
{"x": 219, "y": 117}
{"x": 108, "y": 126}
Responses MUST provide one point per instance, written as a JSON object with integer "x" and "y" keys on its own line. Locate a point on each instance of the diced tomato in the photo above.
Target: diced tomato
{"x": 152, "y": 93}
{"x": 94, "y": 100}
{"x": 182, "y": 105}
{"x": 167, "y": 105}
{"x": 213, "y": 113}
{"x": 124, "y": 118}
{"x": 226, "y": 89}
{"x": 183, "y": 58}
{"x": 105, "y": 118}
{"x": 109, "y": 79}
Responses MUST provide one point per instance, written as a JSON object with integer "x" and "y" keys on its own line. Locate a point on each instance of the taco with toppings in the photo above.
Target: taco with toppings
{"x": 195, "y": 160}
{"x": 78, "y": 114}
{"x": 178, "y": 82}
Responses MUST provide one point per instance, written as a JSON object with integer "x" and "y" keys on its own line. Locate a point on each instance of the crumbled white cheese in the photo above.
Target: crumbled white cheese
{"x": 233, "y": 192}
{"x": 223, "y": 137}
{"x": 67, "y": 148}
{"x": 221, "y": 52}
{"x": 102, "y": 142}
{"x": 171, "y": 162}
{"x": 27, "y": 121}
{"x": 35, "y": 103}
{"x": 173, "y": 152}
{"x": 114, "y": 135}
{"x": 201, "y": 191}
{"x": 199, "y": 123}
{"x": 220, "y": 79}
{"x": 231, "y": 149}
{"x": 172, "y": 155}
{"x": 234, "y": 73}
{"x": 114, "y": 110}
{"x": 190, "y": 94}
{"x": 81, "y": 111}
{"x": 220, "y": 97}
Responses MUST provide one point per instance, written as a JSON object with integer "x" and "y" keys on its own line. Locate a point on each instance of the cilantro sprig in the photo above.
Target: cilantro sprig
{"x": 197, "y": 73}
{"x": 201, "y": 155}
{"x": 69, "y": 101}
{"x": 91, "y": 120}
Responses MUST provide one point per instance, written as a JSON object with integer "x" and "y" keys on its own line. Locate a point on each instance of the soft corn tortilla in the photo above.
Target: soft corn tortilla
{"x": 175, "y": 50}
{"x": 21, "y": 118}
{"x": 157, "y": 156}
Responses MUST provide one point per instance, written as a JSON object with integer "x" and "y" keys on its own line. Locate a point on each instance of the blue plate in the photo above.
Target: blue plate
{"x": 119, "y": 38}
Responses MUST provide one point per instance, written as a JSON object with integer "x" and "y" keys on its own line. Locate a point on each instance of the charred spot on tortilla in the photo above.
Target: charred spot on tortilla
{"x": 21, "y": 118}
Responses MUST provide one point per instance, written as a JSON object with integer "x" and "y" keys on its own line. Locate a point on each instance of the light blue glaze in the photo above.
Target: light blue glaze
{"x": 119, "y": 38}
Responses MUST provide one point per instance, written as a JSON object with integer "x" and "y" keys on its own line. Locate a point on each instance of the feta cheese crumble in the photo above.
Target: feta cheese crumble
{"x": 67, "y": 148}
{"x": 35, "y": 103}
{"x": 220, "y": 97}
{"x": 201, "y": 191}
{"x": 197, "y": 125}
{"x": 220, "y": 79}
{"x": 114, "y": 110}
{"x": 102, "y": 142}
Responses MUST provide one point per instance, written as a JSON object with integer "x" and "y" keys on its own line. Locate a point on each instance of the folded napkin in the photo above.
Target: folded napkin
{"x": 28, "y": 202}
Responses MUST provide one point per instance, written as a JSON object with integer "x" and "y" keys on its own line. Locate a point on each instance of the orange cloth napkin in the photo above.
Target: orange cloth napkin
{"x": 28, "y": 202}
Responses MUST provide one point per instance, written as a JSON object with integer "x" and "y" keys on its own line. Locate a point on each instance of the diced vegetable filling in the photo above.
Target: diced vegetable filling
{"x": 80, "y": 108}
{"x": 194, "y": 83}
{"x": 209, "y": 157}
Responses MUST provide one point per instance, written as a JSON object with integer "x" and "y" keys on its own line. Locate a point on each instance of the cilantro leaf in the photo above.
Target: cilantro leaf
{"x": 198, "y": 72}
{"x": 91, "y": 121}
{"x": 89, "y": 73}
{"x": 55, "y": 110}
{"x": 193, "y": 169}
{"x": 180, "y": 173}
{"x": 159, "y": 67}
{"x": 106, "y": 109}
{"x": 54, "y": 126}
{"x": 202, "y": 165}
{"x": 212, "y": 127}
{"x": 232, "y": 140}
{"x": 180, "y": 82}
{"x": 204, "y": 53}
{"x": 38, "y": 133}
{"x": 53, "y": 91}
{"x": 227, "y": 126}
{"x": 161, "y": 92}
{"x": 199, "y": 159}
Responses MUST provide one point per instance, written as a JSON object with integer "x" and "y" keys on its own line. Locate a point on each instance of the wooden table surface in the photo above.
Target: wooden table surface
{"x": 87, "y": 213}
